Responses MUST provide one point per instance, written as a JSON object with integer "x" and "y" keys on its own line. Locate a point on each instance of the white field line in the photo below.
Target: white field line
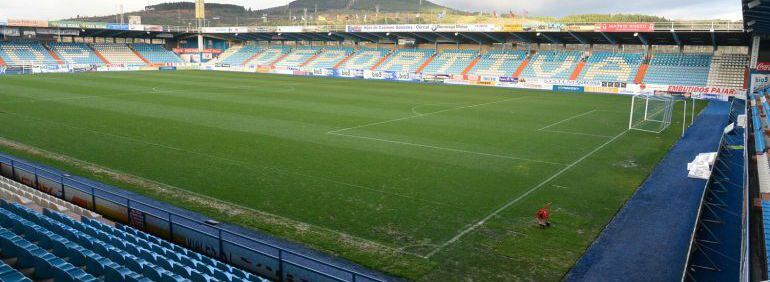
{"x": 520, "y": 197}
{"x": 577, "y": 133}
{"x": 425, "y": 114}
{"x": 566, "y": 120}
{"x": 446, "y": 149}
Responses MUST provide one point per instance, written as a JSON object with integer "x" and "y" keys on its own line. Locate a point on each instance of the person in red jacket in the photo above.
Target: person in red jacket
{"x": 543, "y": 216}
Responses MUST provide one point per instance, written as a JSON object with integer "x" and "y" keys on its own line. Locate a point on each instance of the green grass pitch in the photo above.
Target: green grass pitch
{"x": 426, "y": 182}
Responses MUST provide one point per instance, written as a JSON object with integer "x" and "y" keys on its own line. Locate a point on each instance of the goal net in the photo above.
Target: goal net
{"x": 651, "y": 113}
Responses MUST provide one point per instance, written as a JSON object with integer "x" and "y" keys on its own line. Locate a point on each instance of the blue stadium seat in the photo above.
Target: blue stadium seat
{"x": 679, "y": 69}
{"x": 451, "y": 62}
{"x": 365, "y": 58}
{"x": 552, "y": 64}
{"x": 498, "y": 63}
{"x": 329, "y": 57}
{"x": 156, "y": 53}
{"x": 406, "y": 60}
{"x": 25, "y": 53}
{"x": 612, "y": 67}
{"x": 76, "y": 53}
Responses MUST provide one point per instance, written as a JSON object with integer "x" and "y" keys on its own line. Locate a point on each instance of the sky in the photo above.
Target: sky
{"x": 675, "y": 9}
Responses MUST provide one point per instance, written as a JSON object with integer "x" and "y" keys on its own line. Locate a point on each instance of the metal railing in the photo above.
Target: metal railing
{"x": 224, "y": 238}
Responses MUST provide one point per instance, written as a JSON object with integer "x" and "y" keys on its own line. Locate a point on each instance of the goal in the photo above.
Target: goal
{"x": 651, "y": 113}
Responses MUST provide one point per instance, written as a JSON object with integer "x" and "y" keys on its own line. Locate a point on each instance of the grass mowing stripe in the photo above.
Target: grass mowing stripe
{"x": 522, "y": 196}
{"x": 446, "y": 149}
{"x": 426, "y": 114}
{"x": 240, "y": 163}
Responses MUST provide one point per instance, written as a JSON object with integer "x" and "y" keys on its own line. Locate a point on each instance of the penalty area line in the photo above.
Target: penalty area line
{"x": 520, "y": 197}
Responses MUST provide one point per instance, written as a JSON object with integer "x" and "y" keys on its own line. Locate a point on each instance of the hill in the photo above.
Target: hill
{"x": 338, "y": 12}
{"x": 183, "y": 13}
{"x": 360, "y": 5}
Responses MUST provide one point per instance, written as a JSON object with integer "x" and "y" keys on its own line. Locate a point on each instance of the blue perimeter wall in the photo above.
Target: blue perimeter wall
{"x": 649, "y": 239}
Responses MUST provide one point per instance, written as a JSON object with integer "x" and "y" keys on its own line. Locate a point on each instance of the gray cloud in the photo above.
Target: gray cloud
{"x": 678, "y": 9}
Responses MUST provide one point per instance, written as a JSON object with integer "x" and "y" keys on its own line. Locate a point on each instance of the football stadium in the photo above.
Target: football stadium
{"x": 403, "y": 140}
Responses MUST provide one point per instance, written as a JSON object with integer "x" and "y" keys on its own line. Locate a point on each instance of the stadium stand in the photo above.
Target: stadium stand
{"x": 298, "y": 56}
{"x": 330, "y": 57}
{"x": 406, "y": 60}
{"x": 269, "y": 56}
{"x": 76, "y": 53}
{"x": 364, "y": 58}
{"x": 156, "y": 54}
{"x": 116, "y": 53}
{"x": 728, "y": 70}
{"x": 679, "y": 69}
{"x": 451, "y": 62}
{"x": 552, "y": 64}
{"x": 25, "y": 53}
{"x": 612, "y": 67}
{"x": 238, "y": 55}
{"x": 56, "y": 246}
{"x": 499, "y": 63}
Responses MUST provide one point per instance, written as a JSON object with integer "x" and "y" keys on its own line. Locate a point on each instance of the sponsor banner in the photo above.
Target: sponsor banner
{"x": 568, "y": 88}
{"x": 50, "y": 31}
{"x": 601, "y": 89}
{"x": 759, "y": 81}
{"x": 323, "y": 72}
{"x": 466, "y": 28}
{"x": 513, "y": 28}
{"x": 713, "y": 97}
{"x": 164, "y": 35}
{"x": 763, "y": 66}
{"x": 624, "y": 27}
{"x": 290, "y": 29}
{"x": 544, "y": 27}
{"x": 705, "y": 90}
{"x": 195, "y": 51}
{"x": 117, "y": 26}
{"x": 136, "y": 27}
{"x": 314, "y": 28}
{"x": 566, "y": 82}
{"x": 65, "y": 24}
{"x": 226, "y": 29}
{"x": 3, "y": 22}
{"x": 27, "y": 23}
{"x": 387, "y": 75}
{"x": 508, "y": 79}
{"x": 93, "y": 25}
{"x": 427, "y": 28}
{"x": 261, "y": 29}
{"x": 407, "y": 76}
{"x": 581, "y": 27}
{"x": 156, "y": 28}
{"x": 457, "y": 82}
{"x": 7, "y": 31}
{"x": 167, "y": 68}
{"x": 349, "y": 73}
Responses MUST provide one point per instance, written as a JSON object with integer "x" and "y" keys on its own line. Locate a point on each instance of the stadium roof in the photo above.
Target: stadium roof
{"x": 756, "y": 16}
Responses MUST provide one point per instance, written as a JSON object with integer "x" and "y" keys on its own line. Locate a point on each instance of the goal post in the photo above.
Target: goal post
{"x": 651, "y": 113}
